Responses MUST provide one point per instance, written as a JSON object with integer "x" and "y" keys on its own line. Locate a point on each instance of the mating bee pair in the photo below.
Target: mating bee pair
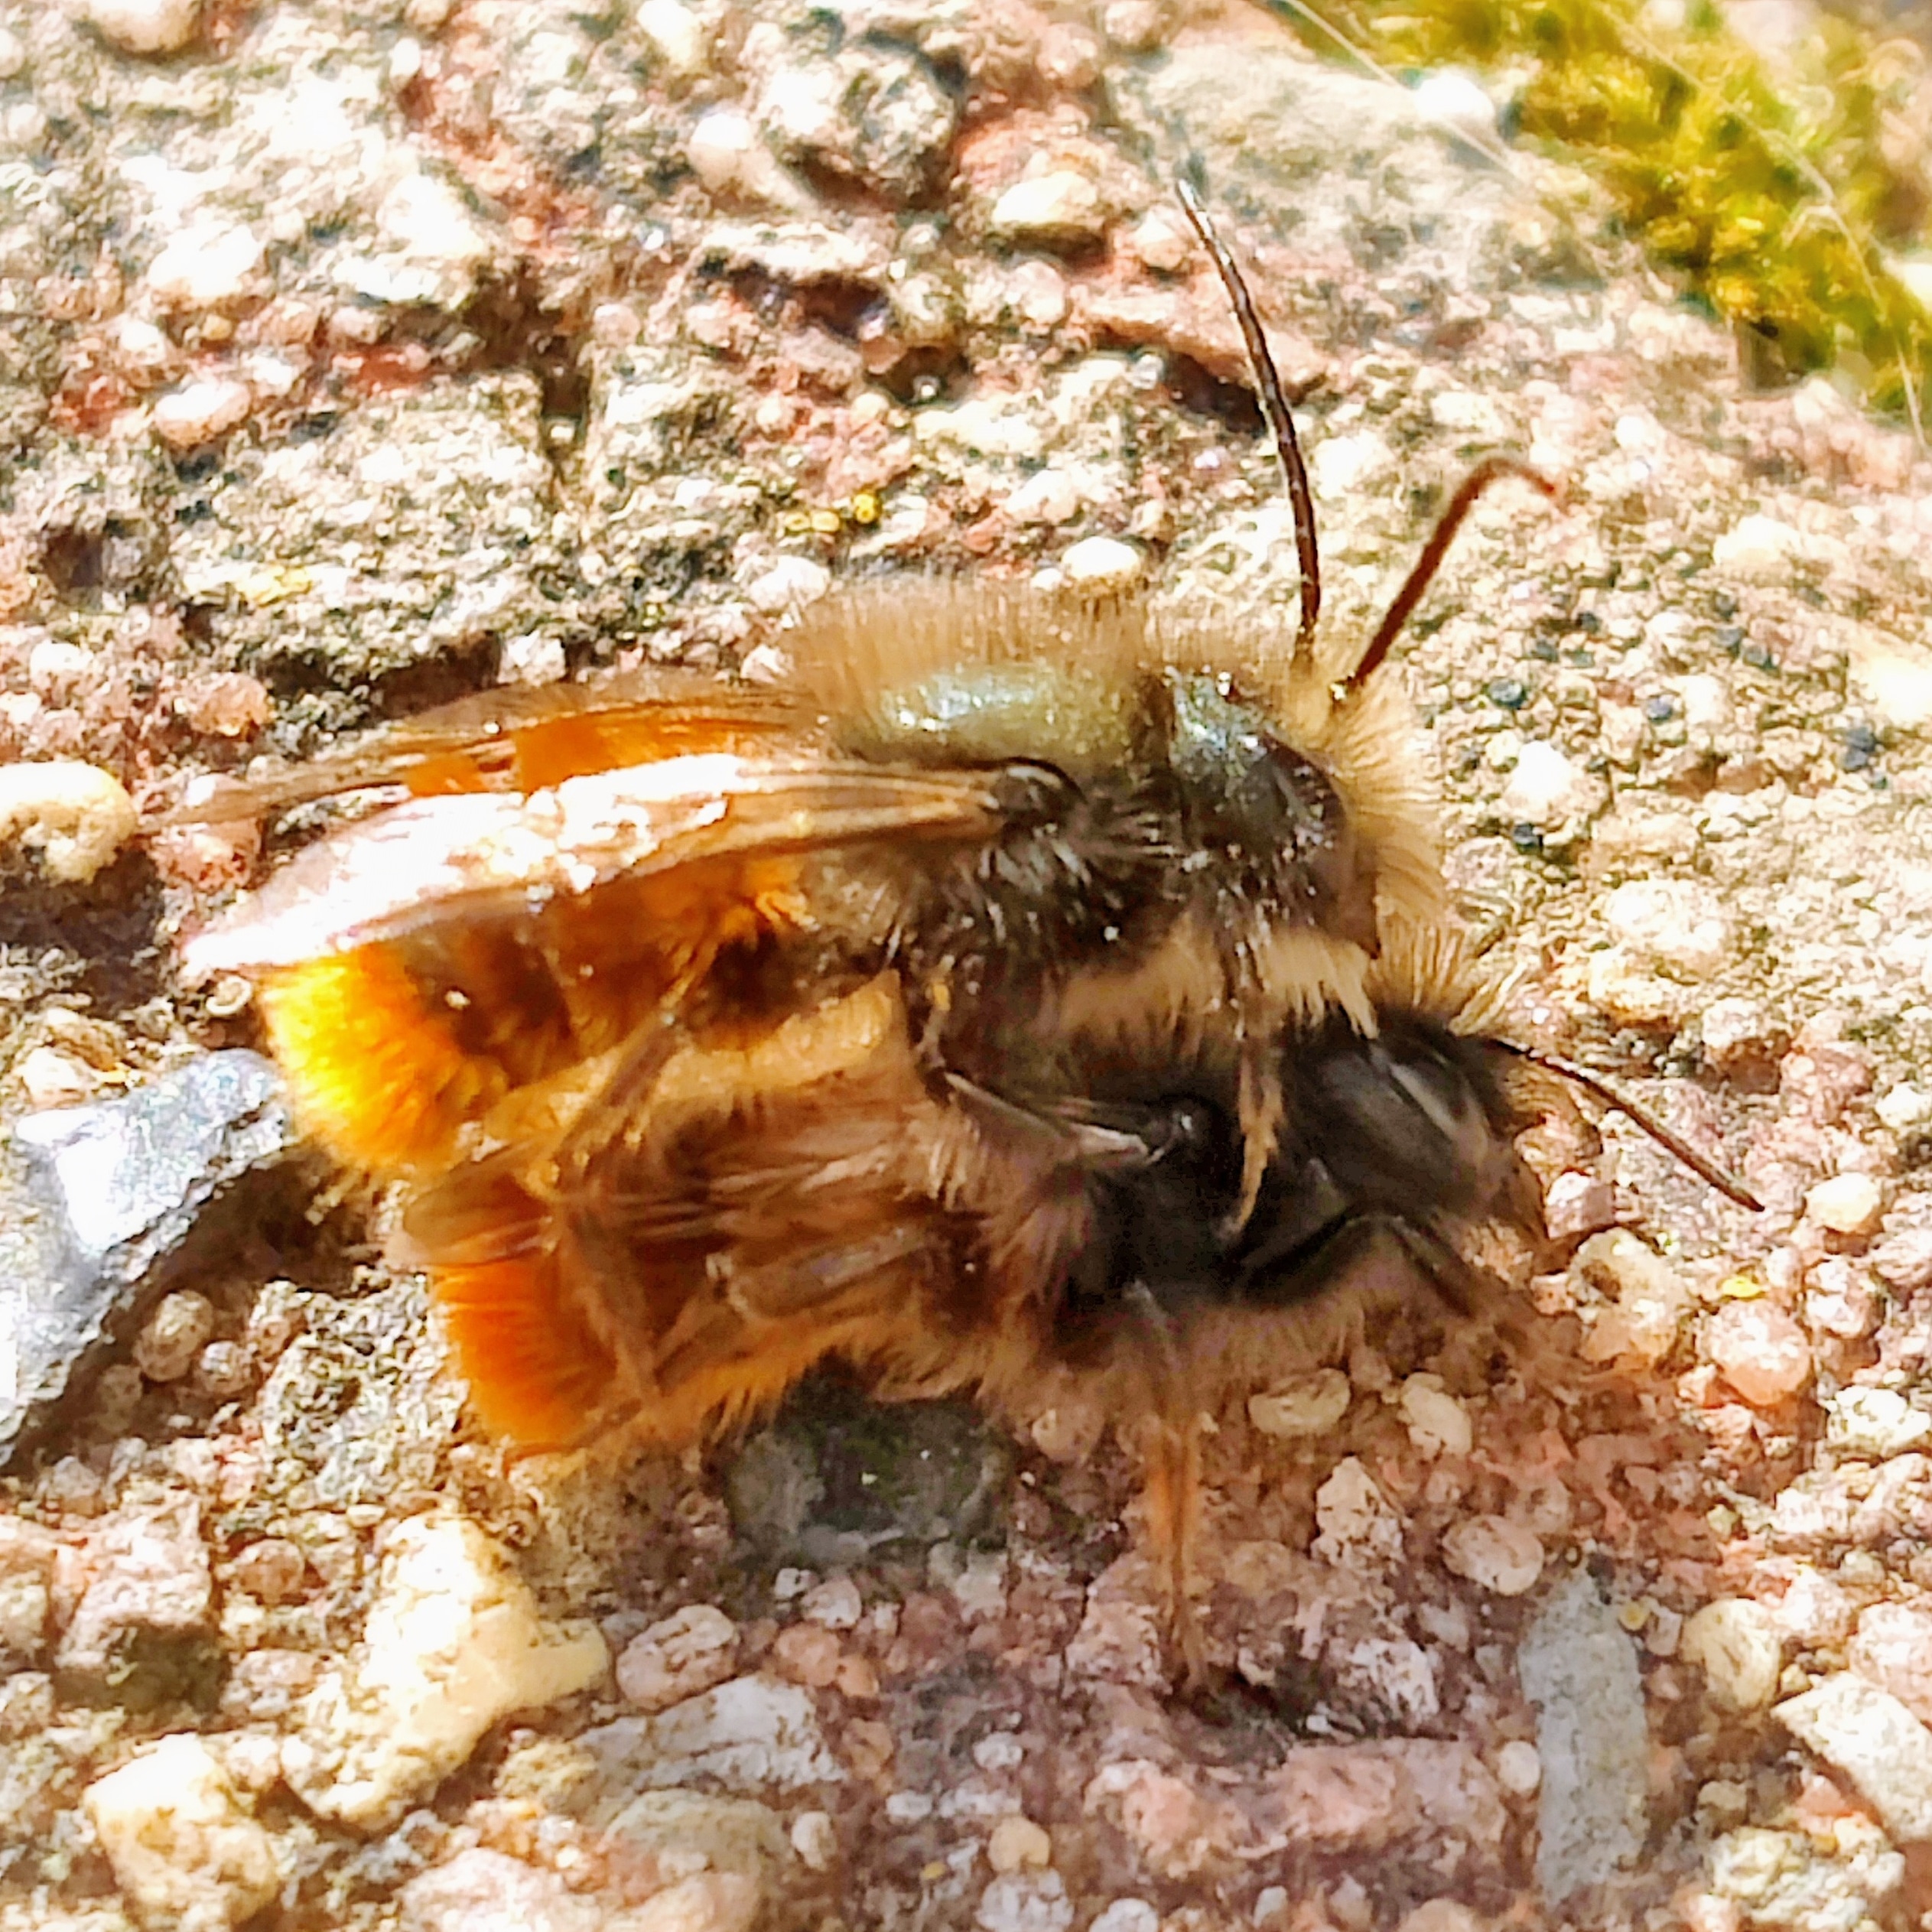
{"x": 1020, "y": 986}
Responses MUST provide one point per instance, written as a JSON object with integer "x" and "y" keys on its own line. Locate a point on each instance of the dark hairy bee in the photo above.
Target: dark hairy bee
{"x": 1020, "y": 988}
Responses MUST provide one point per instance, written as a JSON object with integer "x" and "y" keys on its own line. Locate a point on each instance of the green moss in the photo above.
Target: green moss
{"x": 1776, "y": 207}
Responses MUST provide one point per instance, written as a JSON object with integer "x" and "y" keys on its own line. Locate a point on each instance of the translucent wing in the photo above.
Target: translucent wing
{"x": 486, "y": 854}
{"x": 523, "y": 739}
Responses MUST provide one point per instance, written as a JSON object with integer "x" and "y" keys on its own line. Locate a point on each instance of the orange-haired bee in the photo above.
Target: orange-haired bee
{"x": 1019, "y": 986}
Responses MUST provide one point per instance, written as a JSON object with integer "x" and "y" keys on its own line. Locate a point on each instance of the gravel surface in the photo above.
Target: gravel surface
{"x": 356, "y": 355}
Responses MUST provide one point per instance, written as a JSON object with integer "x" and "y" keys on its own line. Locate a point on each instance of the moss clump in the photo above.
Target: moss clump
{"x": 1776, "y": 207}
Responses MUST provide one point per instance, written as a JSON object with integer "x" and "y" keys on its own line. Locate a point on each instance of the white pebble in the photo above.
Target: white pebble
{"x": 199, "y": 411}
{"x": 728, "y": 158}
{"x": 1051, "y": 496}
{"x": 1439, "y": 1425}
{"x": 1024, "y": 1901}
{"x": 1735, "y": 1643}
{"x": 428, "y": 219}
{"x": 173, "y": 1335}
{"x": 1519, "y": 1768}
{"x": 70, "y": 818}
{"x": 1161, "y": 241}
{"x": 1309, "y": 1407}
{"x": 1876, "y": 1742}
{"x": 687, "y": 1652}
{"x": 49, "y": 1077}
{"x": 1905, "y": 1109}
{"x": 676, "y": 34}
{"x": 1127, "y": 1915}
{"x": 789, "y": 584}
{"x": 1017, "y": 1844}
{"x": 1576, "y": 1204}
{"x": 1678, "y": 924}
{"x": 1493, "y": 1553}
{"x": 1101, "y": 564}
{"x": 833, "y": 1604}
{"x": 1547, "y": 791}
{"x": 1354, "y": 1517}
{"x": 183, "y": 1849}
{"x": 1651, "y": 1299}
{"x": 207, "y": 264}
{"x": 1762, "y": 1351}
{"x": 144, "y": 26}
{"x": 1847, "y": 1204}
{"x": 816, "y": 1840}
{"x": 1874, "y": 1423}
{"x": 452, "y": 1644}
{"x": 1060, "y": 205}
{"x": 1757, "y": 546}
{"x": 13, "y": 55}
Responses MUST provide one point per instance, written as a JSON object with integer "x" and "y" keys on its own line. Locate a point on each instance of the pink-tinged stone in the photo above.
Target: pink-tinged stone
{"x": 1892, "y": 1648}
{"x": 1762, "y": 1350}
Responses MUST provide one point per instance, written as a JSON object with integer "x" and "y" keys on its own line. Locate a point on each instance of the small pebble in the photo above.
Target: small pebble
{"x": 1651, "y": 1299}
{"x": 808, "y": 1655}
{"x": 1874, "y": 1423}
{"x": 1577, "y": 1204}
{"x": 144, "y": 26}
{"x": 1050, "y": 496}
{"x": 1904, "y": 1261}
{"x": 1440, "y": 1915}
{"x": 1161, "y": 240}
{"x": 49, "y": 1077}
{"x": 1847, "y": 1204}
{"x": 833, "y": 1604}
{"x": 1024, "y": 1901}
{"x": 205, "y": 265}
{"x": 1101, "y": 564}
{"x": 1018, "y": 1844}
{"x": 1519, "y": 1768}
{"x": 1763, "y": 1352}
{"x": 1311, "y": 1406}
{"x": 1892, "y": 1648}
{"x": 1439, "y": 1425}
{"x": 70, "y": 818}
{"x": 1735, "y": 1643}
{"x": 200, "y": 410}
{"x": 173, "y": 1335}
{"x": 183, "y": 1850}
{"x": 1355, "y": 1519}
{"x": 1493, "y": 1553}
{"x": 789, "y": 584}
{"x": 687, "y": 1652}
{"x": 1870, "y": 1736}
{"x": 1758, "y": 547}
{"x": 224, "y": 1371}
{"x": 272, "y": 1570}
{"x": 1060, "y": 208}
{"x": 1127, "y": 1915}
{"x": 816, "y": 1840}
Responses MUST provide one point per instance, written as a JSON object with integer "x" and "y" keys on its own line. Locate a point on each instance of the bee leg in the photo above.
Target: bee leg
{"x": 1173, "y": 1525}
{"x": 1172, "y": 1404}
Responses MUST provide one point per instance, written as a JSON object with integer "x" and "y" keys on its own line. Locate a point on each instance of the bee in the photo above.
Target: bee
{"x": 1020, "y": 988}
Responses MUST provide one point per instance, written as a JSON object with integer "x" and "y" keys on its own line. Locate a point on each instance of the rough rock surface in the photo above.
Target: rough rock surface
{"x": 353, "y": 356}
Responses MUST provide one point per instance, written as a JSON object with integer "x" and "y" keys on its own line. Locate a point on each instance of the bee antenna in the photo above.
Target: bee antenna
{"x": 1420, "y": 577}
{"x": 1706, "y": 1171}
{"x": 1274, "y": 403}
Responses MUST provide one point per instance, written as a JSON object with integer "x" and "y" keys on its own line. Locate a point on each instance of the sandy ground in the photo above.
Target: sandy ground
{"x": 355, "y": 356}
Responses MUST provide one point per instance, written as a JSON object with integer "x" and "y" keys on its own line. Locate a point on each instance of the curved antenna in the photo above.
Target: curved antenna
{"x": 1420, "y": 577}
{"x": 1672, "y": 1142}
{"x": 1274, "y": 407}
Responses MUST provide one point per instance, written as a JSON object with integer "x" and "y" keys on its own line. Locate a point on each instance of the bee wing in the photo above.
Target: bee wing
{"x": 490, "y": 742}
{"x": 478, "y": 853}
